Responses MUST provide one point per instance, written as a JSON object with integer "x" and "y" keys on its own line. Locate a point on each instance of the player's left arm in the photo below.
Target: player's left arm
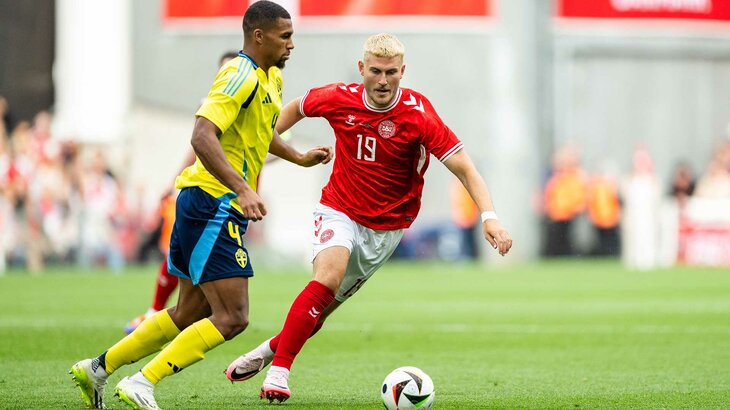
{"x": 289, "y": 116}
{"x": 463, "y": 168}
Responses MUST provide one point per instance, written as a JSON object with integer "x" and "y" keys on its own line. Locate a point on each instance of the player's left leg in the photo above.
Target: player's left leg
{"x": 329, "y": 270}
{"x": 251, "y": 363}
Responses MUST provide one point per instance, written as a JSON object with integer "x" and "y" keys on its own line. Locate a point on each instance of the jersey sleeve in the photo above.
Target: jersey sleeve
{"x": 438, "y": 138}
{"x": 233, "y": 89}
{"x": 319, "y": 101}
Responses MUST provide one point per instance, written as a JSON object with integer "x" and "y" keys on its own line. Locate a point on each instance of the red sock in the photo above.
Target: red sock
{"x": 166, "y": 284}
{"x": 301, "y": 321}
{"x": 274, "y": 342}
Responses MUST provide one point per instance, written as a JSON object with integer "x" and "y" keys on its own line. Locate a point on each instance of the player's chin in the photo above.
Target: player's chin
{"x": 282, "y": 62}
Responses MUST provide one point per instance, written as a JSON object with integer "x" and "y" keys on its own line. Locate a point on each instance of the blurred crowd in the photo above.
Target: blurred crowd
{"x": 620, "y": 209}
{"x": 60, "y": 202}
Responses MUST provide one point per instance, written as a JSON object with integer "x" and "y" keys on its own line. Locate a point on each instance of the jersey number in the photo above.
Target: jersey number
{"x": 234, "y": 232}
{"x": 369, "y": 144}
{"x": 273, "y": 121}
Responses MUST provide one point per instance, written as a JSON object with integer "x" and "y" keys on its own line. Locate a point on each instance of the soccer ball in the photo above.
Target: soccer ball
{"x": 407, "y": 388}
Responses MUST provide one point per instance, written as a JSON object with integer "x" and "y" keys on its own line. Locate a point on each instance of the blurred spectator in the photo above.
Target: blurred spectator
{"x": 682, "y": 183}
{"x": 7, "y": 125}
{"x": 604, "y": 212}
{"x": 715, "y": 183}
{"x": 465, "y": 215}
{"x": 640, "y": 224}
{"x": 101, "y": 199}
{"x": 563, "y": 200}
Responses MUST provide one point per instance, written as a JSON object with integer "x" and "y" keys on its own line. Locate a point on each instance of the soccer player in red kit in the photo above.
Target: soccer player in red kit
{"x": 385, "y": 135}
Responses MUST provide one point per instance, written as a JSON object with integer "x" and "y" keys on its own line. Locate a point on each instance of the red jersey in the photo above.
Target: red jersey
{"x": 380, "y": 154}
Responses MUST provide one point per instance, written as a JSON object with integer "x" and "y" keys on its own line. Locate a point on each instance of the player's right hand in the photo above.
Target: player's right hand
{"x": 497, "y": 236}
{"x": 320, "y": 154}
{"x": 252, "y": 205}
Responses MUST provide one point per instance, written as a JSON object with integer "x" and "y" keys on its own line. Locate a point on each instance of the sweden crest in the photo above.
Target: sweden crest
{"x": 241, "y": 257}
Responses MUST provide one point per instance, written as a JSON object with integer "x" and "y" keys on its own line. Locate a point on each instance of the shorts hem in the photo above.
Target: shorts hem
{"x": 320, "y": 247}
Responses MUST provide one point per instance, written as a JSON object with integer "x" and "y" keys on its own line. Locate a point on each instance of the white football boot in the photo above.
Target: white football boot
{"x": 138, "y": 394}
{"x": 89, "y": 375}
{"x": 276, "y": 385}
{"x": 250, "y": 364}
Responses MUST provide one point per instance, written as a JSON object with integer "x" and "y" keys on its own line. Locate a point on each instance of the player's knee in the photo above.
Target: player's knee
{"x": 184, "y": 318}
{"x": 233, "y": 324}
{"x": 332, "y": 282}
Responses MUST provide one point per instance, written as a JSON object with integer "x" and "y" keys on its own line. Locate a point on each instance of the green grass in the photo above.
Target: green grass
{"x": 559, "y": 335}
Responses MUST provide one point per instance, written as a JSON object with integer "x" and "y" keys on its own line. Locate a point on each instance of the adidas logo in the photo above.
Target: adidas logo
{"x": 267, "y": 100}
{"x": 175, "y": 368}
{"x": 95, "y": 364}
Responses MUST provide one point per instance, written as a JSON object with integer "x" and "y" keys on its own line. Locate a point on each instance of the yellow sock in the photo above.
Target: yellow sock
{"x": 187, "y": 348}
{"x": 149, "y": 337}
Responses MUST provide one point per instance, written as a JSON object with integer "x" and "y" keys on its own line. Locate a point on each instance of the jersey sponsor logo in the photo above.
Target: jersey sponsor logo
{"x": 386, "y": 128}
{"x": 417, "y": 105}
{"x": 326, "y": 235}
{"x": 241, "y": 257}
{"x": 350, "y": 120}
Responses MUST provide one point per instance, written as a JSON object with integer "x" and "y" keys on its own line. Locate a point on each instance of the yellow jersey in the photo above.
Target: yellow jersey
{"x": 244, "y": 103}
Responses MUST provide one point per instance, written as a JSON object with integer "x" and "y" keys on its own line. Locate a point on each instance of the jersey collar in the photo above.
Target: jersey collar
{"x": 242, "y": 54}
{"x": 388, "y": 108}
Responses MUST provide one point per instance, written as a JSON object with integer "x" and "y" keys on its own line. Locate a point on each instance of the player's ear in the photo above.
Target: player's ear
{"x": 258, "y": 35}
{"x": 402, "y": 70}
{"x": 361, "y": 67}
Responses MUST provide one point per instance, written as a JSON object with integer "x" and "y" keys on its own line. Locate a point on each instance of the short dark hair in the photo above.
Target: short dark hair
{"x": 261, "y": 14}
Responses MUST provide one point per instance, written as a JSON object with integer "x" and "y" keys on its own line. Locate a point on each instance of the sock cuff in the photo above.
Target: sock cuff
{"x": 322, "y": 292}
{"x": 209, "y": 333}
{"x": 167, "y": 326}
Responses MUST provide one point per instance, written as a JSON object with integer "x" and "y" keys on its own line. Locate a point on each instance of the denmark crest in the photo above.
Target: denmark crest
{"x": 386, "y": 128}
{"x": 326, "y": 235}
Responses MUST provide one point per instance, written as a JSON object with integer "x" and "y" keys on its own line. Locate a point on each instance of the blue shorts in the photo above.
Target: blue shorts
{"x": 207, "y": 239}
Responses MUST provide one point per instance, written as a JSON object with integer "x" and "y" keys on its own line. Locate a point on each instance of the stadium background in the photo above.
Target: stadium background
{"x": 515, "y": 80}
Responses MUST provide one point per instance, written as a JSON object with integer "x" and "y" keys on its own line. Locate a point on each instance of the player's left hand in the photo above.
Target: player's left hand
{"x": 320, "y": 154}
{"x": 497, "y": 236}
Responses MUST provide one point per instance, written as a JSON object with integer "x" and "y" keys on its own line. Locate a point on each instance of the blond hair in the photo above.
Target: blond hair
{"x": 383, "y": 45}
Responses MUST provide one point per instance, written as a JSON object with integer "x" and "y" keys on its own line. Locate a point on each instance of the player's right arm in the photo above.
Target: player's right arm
{"x": 289, "y": 116}
{"x": 208, "y": 148}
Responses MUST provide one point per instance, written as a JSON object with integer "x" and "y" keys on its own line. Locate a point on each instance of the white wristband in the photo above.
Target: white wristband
{"x": 487, "y": 215}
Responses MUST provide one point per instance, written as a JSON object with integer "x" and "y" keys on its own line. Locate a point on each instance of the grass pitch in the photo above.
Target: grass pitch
{"x": 558, "y": 335}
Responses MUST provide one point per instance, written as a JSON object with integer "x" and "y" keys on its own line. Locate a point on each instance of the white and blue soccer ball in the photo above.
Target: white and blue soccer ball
{"x": 407, "y": 388}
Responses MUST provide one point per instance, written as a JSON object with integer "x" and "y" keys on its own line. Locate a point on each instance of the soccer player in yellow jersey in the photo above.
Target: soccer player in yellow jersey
{"x": 233, "y": 132}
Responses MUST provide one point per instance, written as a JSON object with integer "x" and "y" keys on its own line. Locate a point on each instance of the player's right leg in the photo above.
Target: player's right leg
{"x": 90, "y": 375}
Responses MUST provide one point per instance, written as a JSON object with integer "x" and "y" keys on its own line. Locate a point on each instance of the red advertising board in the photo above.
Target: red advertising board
{"x": 705, "y": 244}
{"x": 471, "y": 8}
{"x": 206, "y": 9}
{"x": 185, "y": 9}
{"x": 704, "y": 10}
